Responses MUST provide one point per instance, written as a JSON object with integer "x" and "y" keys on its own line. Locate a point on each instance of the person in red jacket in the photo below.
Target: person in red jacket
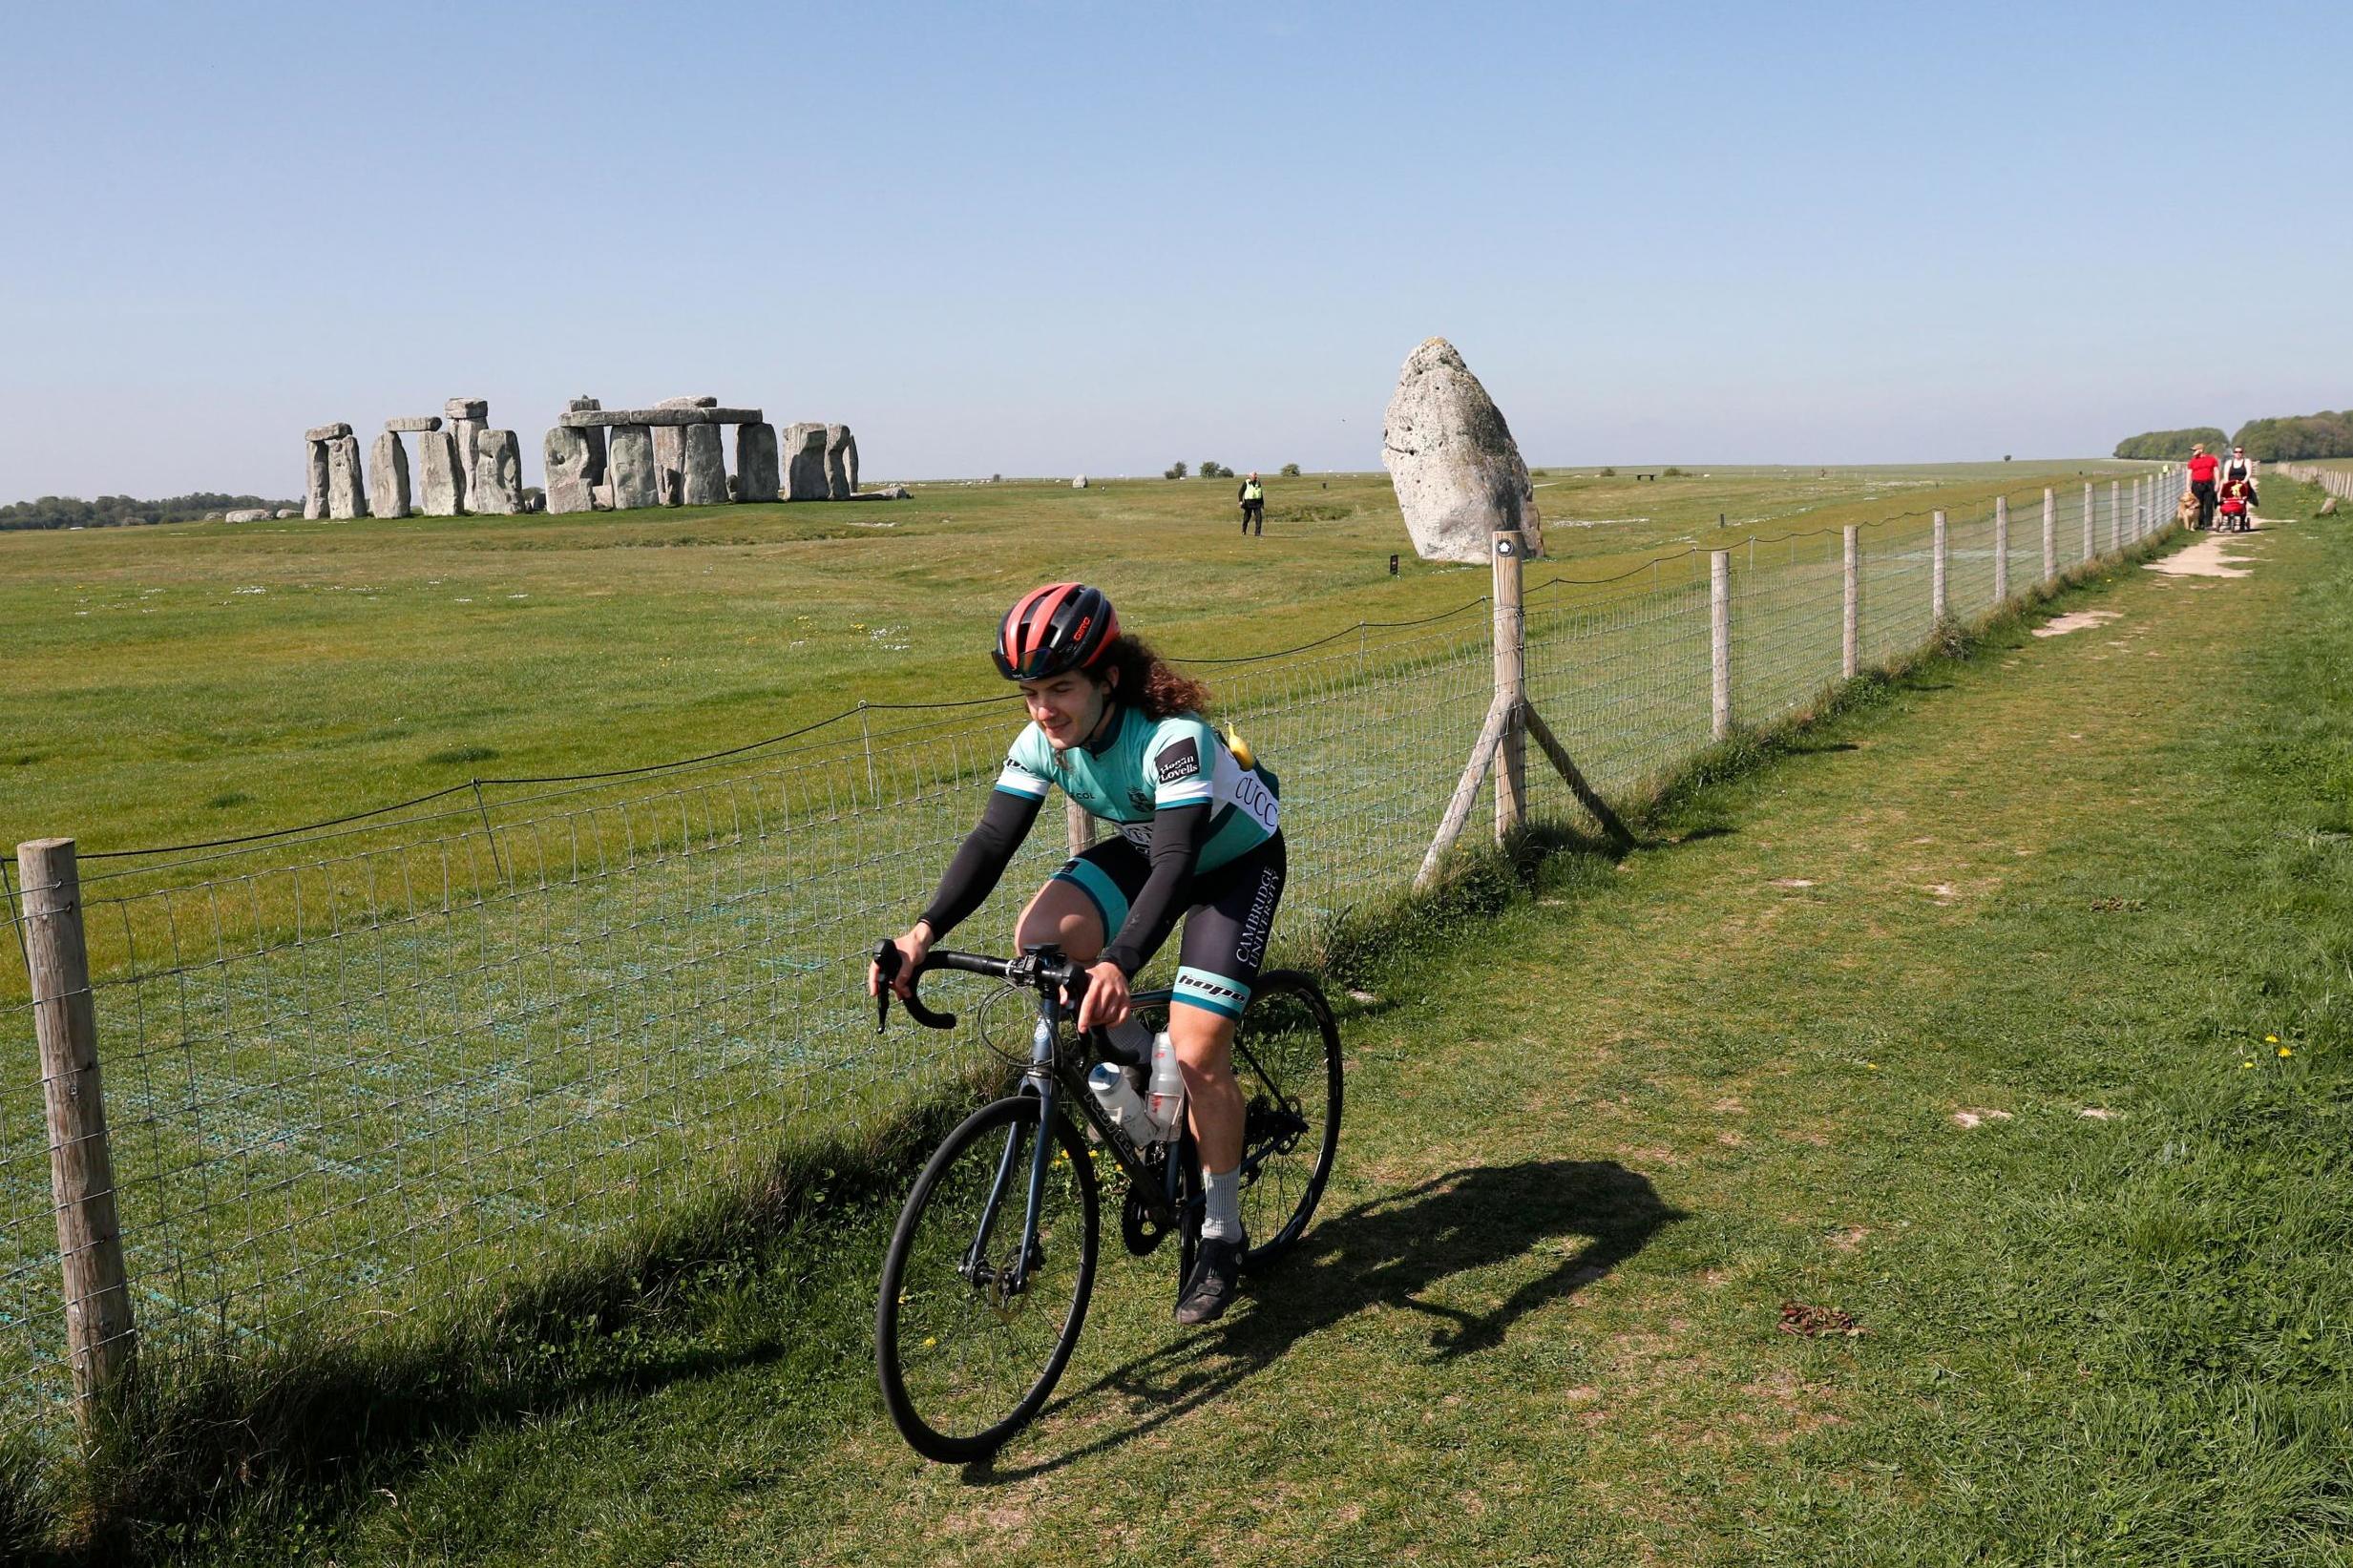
{"x": 2202, "y": 467}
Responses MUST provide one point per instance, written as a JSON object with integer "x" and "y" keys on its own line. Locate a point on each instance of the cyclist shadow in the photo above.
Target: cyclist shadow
{"x": 1390, "y": 1251}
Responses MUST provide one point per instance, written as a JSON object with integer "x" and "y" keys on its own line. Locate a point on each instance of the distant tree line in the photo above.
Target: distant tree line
{"x": 2171, "y": 446}
{"x": 2291, "y": 436}
{"x": 2323, "y": 434}
{"x": 123, "y": 510}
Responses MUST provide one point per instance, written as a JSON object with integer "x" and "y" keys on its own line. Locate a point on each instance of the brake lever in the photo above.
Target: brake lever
{"x": 889, "y": 961}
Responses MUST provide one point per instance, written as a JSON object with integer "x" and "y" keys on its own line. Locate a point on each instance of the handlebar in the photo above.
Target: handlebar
{"x": 1043, "y": 968}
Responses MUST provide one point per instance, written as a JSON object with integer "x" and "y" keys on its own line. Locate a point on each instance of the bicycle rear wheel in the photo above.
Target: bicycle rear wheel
{"x": 1287, "y": 1058}
{"x": 965, "y": 1355}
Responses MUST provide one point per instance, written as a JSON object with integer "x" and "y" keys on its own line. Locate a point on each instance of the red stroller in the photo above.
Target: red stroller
{"x": 2234, "y": 515}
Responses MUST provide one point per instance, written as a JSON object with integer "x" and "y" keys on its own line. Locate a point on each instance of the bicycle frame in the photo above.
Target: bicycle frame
{"x": 1051, "y": 1079}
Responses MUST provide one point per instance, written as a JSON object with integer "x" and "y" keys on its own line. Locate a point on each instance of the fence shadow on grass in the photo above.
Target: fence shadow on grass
{"x": 1390, "y": 1251}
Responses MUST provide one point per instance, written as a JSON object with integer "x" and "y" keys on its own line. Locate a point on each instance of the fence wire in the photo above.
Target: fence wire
{"x": 403, "y": 1062}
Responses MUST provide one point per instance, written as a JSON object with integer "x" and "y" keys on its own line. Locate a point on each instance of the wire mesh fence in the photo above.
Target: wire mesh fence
{"x": 380, "y": 1068}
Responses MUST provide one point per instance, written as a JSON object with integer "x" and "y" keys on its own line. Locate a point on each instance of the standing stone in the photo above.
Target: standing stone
{"x": 498, "y": 487}
{"x": 469, "y": 417}
{"x": 841, "y": 463}
{"x": 632, "y": 468}
{"x": 755, "y": 462}
{"x": 1457, "y": 471}
{"x": 1080, "y": 483}
{"x": 314, "y": 479}
{"x": 346, "y": 486}
{"x": 388, "y": 476}
{"x": 670, "y": 450}
{"x": 569, "y": 487}
{"x": 705, "y": 482}
{"x": 595, "y": 442}
{"x": 441, "y": 484}
{"x": 804, "y": 477}
{"x": 600, "y": 496}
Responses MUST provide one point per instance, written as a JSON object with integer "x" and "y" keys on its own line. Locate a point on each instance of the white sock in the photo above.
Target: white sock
{"x": 1221, "y": 1201}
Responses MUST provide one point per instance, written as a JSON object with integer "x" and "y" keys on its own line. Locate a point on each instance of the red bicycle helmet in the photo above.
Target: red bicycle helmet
{"x": 1062, "y": 626}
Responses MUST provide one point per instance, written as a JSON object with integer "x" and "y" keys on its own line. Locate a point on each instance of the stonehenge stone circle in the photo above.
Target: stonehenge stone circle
{"x": 314, "y": 477}
{"x": 705, "y": 466}
{"x": 632, "y": 467}
{"x": 1458, "y": 472}
{"x": 388, "y": 476}
{"x": 570, "y": 486}
{"x": 756, "y": 475}
{"x": 327, "y": 432}
{"x": 346, "y": 486}
{"x": 804, "y": 457}
{"x": 841, "y": 463}
{"x": 441, "y": 484}
{"x": 497, "y": 489}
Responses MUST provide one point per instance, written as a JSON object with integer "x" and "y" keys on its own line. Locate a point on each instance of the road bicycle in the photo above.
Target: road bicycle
{"x": 986, "y": 1282}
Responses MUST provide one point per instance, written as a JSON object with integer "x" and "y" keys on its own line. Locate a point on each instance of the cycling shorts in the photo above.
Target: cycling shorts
{"x": 1229, "y": 913}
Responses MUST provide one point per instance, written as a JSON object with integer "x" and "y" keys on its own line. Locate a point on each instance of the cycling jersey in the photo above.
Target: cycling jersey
{"x": 1144, "y": 765}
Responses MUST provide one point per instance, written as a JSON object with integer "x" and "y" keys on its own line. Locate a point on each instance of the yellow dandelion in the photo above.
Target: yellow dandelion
{"x": 2246, "y": 1064}
{"x": 1874, "y": 1066}
{"x": 930, "y": 1340}
{"x": 2285, "y": 1051}
{"x": 2271, "y": 1039}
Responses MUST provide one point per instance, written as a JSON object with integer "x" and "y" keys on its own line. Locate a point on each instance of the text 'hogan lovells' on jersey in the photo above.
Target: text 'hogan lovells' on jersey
{"x": 1144, "y": 764}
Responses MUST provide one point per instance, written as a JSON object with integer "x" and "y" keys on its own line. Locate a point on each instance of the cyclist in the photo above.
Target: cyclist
{"x": 1199, "y": 835}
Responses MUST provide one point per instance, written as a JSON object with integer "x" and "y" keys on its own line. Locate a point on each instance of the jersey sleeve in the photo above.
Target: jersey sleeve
{"x": 1180, "y": 763}
{"x": 1026, "y": 773}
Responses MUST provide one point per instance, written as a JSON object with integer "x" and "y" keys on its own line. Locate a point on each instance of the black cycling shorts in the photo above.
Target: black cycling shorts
{"x": 1229, "y": 913}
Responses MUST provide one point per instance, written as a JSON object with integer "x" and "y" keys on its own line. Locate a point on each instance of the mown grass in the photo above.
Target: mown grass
{"x": 1597, "y": 1137}
{"x": 195, "y": 681}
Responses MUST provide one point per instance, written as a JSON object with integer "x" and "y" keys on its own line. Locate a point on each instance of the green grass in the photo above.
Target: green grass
{"x": 1591, "y": 1150}
{"x": 318, "y": 668}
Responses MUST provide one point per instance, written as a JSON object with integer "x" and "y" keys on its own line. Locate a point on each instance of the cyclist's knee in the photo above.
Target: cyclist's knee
{"x": 1203, "y": 1040}
{"x": 1064, "y": 916}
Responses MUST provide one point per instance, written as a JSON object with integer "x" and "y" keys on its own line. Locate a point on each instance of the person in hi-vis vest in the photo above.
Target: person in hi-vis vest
{"x": 1253, "y": 499}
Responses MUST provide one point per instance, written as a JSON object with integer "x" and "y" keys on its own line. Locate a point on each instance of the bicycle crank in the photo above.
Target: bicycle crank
{"x": 1138, "y": 1228}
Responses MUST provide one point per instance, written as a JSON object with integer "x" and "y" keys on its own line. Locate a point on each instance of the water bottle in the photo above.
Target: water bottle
{"x": 1115, "y": 1091}
{"x": 1164, "y": 1094}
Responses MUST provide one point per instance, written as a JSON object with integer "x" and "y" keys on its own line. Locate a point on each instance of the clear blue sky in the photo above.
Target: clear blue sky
{"x": 1051, "y": 238}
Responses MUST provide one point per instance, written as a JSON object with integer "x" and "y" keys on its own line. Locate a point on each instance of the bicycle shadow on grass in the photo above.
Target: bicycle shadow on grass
{"x": 1387, "y": 1251}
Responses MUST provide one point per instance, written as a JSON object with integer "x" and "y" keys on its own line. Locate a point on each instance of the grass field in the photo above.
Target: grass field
{"x": 390, "y": 1075}
{"x": 197, "y": 681}
{"x": 2007, "y": 1012}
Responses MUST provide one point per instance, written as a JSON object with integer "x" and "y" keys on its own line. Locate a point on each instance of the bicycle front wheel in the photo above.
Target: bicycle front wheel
{"x": 1287, "y": 1059}
{"x": 975, "y": 1327}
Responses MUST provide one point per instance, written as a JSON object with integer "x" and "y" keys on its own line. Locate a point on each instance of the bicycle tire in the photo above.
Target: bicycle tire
{"x": 926, "y": 1299}
{"x": 1287, "y": 1057}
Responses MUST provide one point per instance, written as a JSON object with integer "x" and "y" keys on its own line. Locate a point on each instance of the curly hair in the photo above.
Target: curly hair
{"x": 1149, "y": 683}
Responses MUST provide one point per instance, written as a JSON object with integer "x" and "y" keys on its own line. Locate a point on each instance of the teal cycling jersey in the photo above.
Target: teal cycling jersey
{"x": 1145, "y": 764}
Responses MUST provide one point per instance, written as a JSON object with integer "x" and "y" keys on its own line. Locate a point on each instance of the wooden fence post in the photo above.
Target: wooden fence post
{"x": 2051, "y": 534}
{"x": 1078, "y": 826}
{"x": 1511, "y": 770}
{"x": 2091, "y": 542}
{"x": 2115, "y": 515}
{"x": 2001, "y": 550}
{"x": 1850, "y": 608}
{"x": 99, "y": 1343}
{"x": 1719, "y": 644}
{"x": 1936, "y": 571}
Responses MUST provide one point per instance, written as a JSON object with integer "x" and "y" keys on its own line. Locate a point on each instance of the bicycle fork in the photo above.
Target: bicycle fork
{"x": 1006, "y": 1285}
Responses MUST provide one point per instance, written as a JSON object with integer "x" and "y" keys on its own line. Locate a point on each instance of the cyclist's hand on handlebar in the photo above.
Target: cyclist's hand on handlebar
{"x": 913, "y": 947}
{"x": 1106, "y": 997}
